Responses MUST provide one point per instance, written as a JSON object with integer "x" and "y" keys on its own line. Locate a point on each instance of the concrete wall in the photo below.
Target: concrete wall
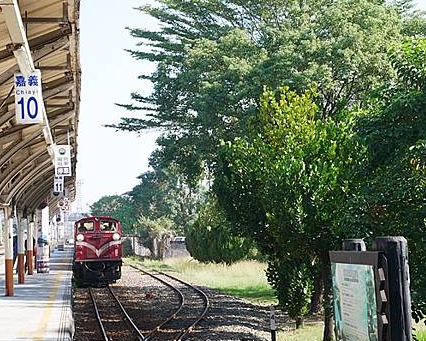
{"x": 176, "y": 249}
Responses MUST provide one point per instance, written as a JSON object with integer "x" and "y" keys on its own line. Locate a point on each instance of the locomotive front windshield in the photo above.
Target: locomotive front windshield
{"x": 107, "y": 225}
{"x": 86, "y": 226}
{"x": 98, "y": 224}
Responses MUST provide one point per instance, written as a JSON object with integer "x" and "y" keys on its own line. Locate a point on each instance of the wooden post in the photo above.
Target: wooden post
{"x": 21, "y": 250}
{"x": 395, "y": 250}
{"x": 30, "y": 254}
{"x": 8, "y": 240}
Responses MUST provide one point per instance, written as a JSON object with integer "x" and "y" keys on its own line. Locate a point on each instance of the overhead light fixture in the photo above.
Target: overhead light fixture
{"x": 24, "y": 60}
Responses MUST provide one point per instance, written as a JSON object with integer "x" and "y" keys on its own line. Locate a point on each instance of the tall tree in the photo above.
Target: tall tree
{"x": 117, "y": 206}
{"x": 286, "y": 184}
{"x": 162, "y": 193}
{"x": 392, "y": 199}
{"x": 155, "y": 234}
{"x": 214, "y": 56}
{"x": 211, "y": 239}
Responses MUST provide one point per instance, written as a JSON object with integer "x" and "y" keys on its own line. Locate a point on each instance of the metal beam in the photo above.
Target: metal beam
{"x": 41, "y": 190}
{"x": 38, "y": 42}
{"x": 22, "y": 52}
{"x": 10, "y": 133}
{"x": 20, "y": 48}
{"x": 30, "y": 192}
{"x": 36, "y": 199}
{"x": 37, "y": 55}
{"x": 15, "y": 148}
{"x": 33, "y": 174}
{"x": 18, "y": 168}
{"x": 54, "y": 68}
{"x": 44, "y": 20}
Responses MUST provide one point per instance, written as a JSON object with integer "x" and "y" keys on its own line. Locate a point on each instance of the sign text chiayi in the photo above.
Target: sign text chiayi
{"x": 28, "y": 98}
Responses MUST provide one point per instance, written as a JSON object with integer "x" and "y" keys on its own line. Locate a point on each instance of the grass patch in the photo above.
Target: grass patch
{"x": 244, "y": 279}
{"x": 308, "y": 333}
{"x": 421, "y": 335}
{"x": 420, "y": 331}
{"x": 314, "y": 333}
{"x": 149, "y": 264}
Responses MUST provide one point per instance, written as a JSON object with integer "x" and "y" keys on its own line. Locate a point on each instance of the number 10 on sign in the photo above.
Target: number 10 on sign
{"x": 28, "y": 98}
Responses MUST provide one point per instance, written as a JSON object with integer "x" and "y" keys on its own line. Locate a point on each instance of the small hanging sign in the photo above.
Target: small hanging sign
{"x": 62, "y": 155}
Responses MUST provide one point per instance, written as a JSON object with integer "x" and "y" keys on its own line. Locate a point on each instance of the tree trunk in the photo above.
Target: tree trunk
{"x": 300, "y": 322}
{"x": 316, "y": 299}
{"x": 327, "y": 298}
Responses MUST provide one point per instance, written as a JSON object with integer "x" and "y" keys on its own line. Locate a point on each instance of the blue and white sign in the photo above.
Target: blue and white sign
{"x": 62, "y": 155}
{"x": 58, "y": 185}
{"x": 28, "y": 98}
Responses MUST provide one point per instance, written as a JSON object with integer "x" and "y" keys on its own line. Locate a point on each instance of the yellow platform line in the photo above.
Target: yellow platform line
{"x": 45, "y": 317}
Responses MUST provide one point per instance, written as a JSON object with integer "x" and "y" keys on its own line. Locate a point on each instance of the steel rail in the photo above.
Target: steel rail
{"x": 127, "y": 317}
{"x": 205, "y": 299}
{"x": 136, "y": 329}
{"x": 187, "y": 330}
{"x": 171, "y": 317}
{"x": 98, "y": 317}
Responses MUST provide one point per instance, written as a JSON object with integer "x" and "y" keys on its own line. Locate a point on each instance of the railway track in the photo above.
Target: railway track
{"x": 112, "y": 317}
{"x": 193, "y": 306}
{"x": 180, "y": 313}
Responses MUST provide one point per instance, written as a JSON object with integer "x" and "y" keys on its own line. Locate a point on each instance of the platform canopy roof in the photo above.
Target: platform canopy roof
{"x": 46, "y": 32}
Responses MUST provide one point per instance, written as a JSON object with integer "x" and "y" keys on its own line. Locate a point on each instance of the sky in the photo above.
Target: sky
{"x": 108, "y": 162}
{"x": 421, "y": 4}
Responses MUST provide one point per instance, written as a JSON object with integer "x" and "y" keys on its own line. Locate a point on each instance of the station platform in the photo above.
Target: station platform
{"x": 41, "y": 308}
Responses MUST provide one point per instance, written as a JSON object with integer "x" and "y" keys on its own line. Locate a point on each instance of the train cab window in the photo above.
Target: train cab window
{"x": 86, "y": 226}
{"x": 108, "y": 226}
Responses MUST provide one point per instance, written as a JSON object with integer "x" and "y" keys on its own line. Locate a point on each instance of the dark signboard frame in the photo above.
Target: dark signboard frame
{"x": 377, "y": 260}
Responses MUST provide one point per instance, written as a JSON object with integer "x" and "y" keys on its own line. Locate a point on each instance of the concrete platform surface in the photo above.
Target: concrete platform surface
{"x": 40, "y": 309}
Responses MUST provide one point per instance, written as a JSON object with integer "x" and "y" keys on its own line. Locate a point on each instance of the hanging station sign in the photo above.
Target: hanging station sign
{"x": 58, "y": 186}
{"x": 62, "y": 155}
{"x": 28, "y": 98}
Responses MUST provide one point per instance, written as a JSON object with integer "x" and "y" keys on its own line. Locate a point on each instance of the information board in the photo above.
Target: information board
{"x": 28, "y": 98}
{"x": 355, "y": 308}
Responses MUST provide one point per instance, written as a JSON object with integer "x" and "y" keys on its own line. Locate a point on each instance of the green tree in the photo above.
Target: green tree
{"x": 155, "y": 234}
{"x": 285, "y": 185}
{"x": 117, "y": 206}
{"x": 214, "y": 56}
{"x": 296, "y": 284}
{"x": 161, "y": 193}
{"x": 392, "y": 199}
{"x": 210, "y": 238}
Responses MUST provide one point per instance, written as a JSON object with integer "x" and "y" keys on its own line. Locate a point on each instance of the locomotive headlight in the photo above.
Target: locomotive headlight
{"x": 79, "y": 237}
{"x": 116, "y": 236}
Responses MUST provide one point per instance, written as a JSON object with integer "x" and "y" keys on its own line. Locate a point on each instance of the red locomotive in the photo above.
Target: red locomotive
{"x": 97, "y": 250}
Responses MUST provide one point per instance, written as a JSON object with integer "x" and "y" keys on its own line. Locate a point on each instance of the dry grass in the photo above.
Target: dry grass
{"x": 244, "y": 279}
{"x": 312, "y": 332}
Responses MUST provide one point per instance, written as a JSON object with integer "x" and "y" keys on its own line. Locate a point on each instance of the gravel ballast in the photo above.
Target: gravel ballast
{"x": 149, "y": 302}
